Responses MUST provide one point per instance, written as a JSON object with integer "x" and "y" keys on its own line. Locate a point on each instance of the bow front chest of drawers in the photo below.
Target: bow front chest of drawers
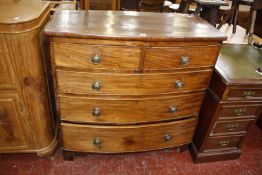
{"x": 234, "y": 101}
{"x": 129, "y": 81}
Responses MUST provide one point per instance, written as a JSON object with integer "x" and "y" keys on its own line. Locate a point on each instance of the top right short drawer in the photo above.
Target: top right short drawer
{"x": 157, "y": 58}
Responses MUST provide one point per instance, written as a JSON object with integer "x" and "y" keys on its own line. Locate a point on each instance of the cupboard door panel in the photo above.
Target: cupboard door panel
{"x": 12, "y": 136}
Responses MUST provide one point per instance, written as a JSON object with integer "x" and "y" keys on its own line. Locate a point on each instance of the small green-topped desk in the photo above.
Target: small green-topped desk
{"x": 233, "y": 102}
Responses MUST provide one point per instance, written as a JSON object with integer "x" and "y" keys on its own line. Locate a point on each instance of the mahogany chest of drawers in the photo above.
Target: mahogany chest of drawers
{"x": 129, "y": 81}
{"x": 233, "y": 102}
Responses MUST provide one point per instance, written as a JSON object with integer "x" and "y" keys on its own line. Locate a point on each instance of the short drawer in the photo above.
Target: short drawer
{"x": 245, "y": 110}
{"x": 180, "y": 57}
{"x": 231, "y": 142}
{"x": 115, "y": 139}
{"x": 96, "y": 56}
{"x": 229, "y": 127}
{"x": 131, "y": 84}
{"x": 104, "y": 110}
{"x": 245, "y": 94}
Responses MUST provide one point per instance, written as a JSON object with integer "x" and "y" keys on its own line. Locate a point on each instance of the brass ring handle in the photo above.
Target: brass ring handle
{"x": 184, "y": 60}
{"x": 179, "y": 84}
{"x": 172, "y": 109}
{"x": 223, "y": 143}
{"x": 168, "y": 137}
{"x": 97, "y": 142}
{"x": 96, "y": 59}
{"x": 96, "y": 85}
{"x": 248, "y": 94}
{"x": 96, "y": 112}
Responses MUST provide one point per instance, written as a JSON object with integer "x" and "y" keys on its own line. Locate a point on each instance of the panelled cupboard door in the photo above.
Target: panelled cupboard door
{"x": 12, "y": 135}
{"x": 6, "y": 75}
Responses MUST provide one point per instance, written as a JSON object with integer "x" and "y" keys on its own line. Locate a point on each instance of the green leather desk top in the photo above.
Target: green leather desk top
{"x": 238, "y": 64}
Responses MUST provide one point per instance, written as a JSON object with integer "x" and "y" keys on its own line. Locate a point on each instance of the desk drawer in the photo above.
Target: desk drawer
{"x": 245, "y": 94}
{"x": 243, "y": 111}
{"x": 180, "y": 57}
{"x": 104, "y": 110}
{"x": 96, "y": 56}
{"x": 232, "y": 142}
{"x": 115, "y": 139}
{"x": 229, "y": 127}
{"x": 131, "y": 84}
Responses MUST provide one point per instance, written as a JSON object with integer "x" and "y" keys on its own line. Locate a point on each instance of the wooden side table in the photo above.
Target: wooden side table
{"x": 209, "y": 9}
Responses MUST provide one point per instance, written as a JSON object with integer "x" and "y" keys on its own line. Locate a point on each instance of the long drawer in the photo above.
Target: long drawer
{"x": 115, "y": 139}
{"x": 96, "y": 56}
{"x": 180, "y": 57}
{"x": 131, "y": 84}
{"x": 104, "y": 110}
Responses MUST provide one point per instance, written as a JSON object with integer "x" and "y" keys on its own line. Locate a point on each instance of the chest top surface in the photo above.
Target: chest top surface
{"x": 126, "y": 25}
{"x": 240, "y": 64}
{"x": 20, "y": 11}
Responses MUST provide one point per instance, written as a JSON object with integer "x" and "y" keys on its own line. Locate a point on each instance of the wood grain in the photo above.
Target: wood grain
{"x": 118, "y": 110}
{"x": 127, "y": 25}
{"x": 135, "y": 84}
{"x": 13, "y": 132}
{"x": 170, "y": 57}
{"x": 237, "y": 93}
{"x": 80, "y": 56}
{"x": 117, "y": 139}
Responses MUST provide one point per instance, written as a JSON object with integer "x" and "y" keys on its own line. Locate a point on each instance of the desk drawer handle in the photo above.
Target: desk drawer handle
{"x": 168, "y": 137}
{"x": 96, "y": 59}
{"x": 232, "y": 127}
{"x": 179, "y": 84}
{"x": 96, "y": 112}
{"x": 248, "y": 94}
{"x": 96, "y": 85}
{"x": 223, "y": 143}
{"x": 239, "y": 112}
{"x": 184, "y": 60}
{"x": 172, "y": 109}
{"x": 97, "y": 142}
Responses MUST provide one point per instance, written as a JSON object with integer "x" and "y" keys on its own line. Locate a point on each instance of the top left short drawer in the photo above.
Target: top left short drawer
{"x": 96, "y": 56}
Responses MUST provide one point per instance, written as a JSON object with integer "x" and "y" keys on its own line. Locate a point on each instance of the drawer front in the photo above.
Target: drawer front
{"x": 112, "y": 139}
{"x": 234, "y": 126}
{"x": 180, "y": 57}
{"x": 131, "y": 84}
{"x": 84, "y": 109}
{"x": 232, "y": 142}
{"x": 245, "y": 94}
{"x": 92, "y": 56}
{"x": 240, "y": 111}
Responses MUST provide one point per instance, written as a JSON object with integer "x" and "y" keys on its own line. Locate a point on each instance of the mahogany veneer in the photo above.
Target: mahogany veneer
{"x": 125, "y": 84}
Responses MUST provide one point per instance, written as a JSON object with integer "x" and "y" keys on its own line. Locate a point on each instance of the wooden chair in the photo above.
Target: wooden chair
{"x": 232, "y": 14}
{"x": 151, "y": 5}
{"x": 184, "y": 6}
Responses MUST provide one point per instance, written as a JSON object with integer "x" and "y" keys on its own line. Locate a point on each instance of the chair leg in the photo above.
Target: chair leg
{"x": 249, "y": 20}
{"x": 252, "y": 26}
{"x": 235, "y": 20}
{"x": 229, "y": 14}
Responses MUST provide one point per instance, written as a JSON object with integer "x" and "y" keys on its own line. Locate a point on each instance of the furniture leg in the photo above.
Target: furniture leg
{"x": 235, "y": 20}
